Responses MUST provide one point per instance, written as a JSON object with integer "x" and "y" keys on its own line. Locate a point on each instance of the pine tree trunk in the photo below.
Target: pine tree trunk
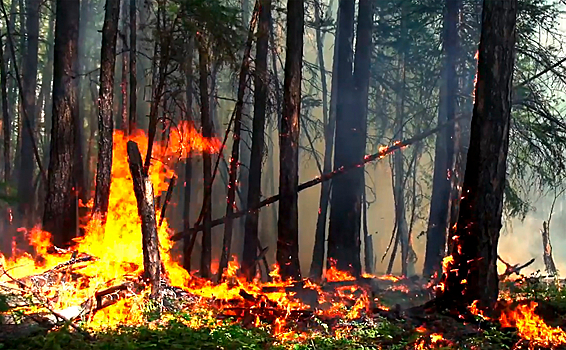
{"x": 106, "y": 108}
{"x": 188, "y": 160}
{"x": 124, "y": 78}
{"x": 6, "y": 120}
{"x": 29, "y": 82}
{"x": 317, "y": 263}
{"x": 60, "y": 215}
{"x": 133, "y": 77}
{"x": 143, "y": 189}
{"x": 439, "y": 217}
{"x": 206, "y": 122}
{"x": 235, "y": 157}
{"x": 345, "y": 213}
{"x": 362, "y": 74}
{"x": 474, "y": 245}
{"x": 261, "y": 86}
{"x": 288, "y": 223}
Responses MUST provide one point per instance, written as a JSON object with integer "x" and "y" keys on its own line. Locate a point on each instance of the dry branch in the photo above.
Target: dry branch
{"x": 324, "y": 177}
{"x": 143, "y": 190}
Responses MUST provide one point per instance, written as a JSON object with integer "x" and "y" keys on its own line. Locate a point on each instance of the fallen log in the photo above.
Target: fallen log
{"x": 511, "y": 269}
{"x": 319, "y": 179}
{"x": 143, "y": 190}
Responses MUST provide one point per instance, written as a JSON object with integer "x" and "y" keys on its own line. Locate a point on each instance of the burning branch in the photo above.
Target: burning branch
{"x": 143, "y": 190}
{"x": 319, "y": 179}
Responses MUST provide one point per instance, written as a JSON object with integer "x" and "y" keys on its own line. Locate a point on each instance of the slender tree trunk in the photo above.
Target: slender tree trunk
{"x": 369, "y": 265}
{"x": 124, "y": 78}
{"x": 188, "y": 160}
{"x": 143, "y": 189}
{"x": 133, "y": 77}
{"x": 29, "y": 82}
{"x": 444, "y": 153}
{"x": 474, "y": 242}
{"x": 317, "y": 263}
{"x": 6, "y": 120}
{"x": 362, "y": 63}
{"x": 288, "y": 223}
{"x": 235, "y": 157}
{"x": 344, "y": 230}
{"x": 60, "y": 215}
{"x": 207, "y": 127}
{"x": 106, "y": 108}
{"x": 261, "y": 86}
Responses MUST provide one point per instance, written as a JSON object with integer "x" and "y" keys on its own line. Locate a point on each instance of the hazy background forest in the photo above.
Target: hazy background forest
{"x": 406, "y": 61}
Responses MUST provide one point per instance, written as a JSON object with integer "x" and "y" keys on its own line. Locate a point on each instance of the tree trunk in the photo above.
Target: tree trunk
{"x": 206, "y": 123}
{"x": 106, "y": 109}
{"x": 362, "y": 64}
{"x": 261, "y": 86}
{"x": 29, "y": 82}
{"x": 143, "y": 189}
{"x": 317, "y": 263}
{"x": 133, "y": 77}
{"x": 188, "y": 160}
{"x": 235, "y": 157}
{"x": 6, "y": 120}
{"x": 444, "y": 151}
{"x": 345, "y": 213}
{"x": 60, "y": 215}
{"x": 474, "y": 244}
{"x": 124, "y": 78}
{"x": 288, "y": 223}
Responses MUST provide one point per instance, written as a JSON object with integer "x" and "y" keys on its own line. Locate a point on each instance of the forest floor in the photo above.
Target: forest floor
{"x": 202, "y": 330}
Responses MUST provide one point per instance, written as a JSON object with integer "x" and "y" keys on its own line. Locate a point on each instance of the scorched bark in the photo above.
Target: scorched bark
{"x": 106, "y": 108}
{"x": 344, "y": 229}
{"x": 439, "y": 218}
{"x": 473, "y": 273}
{"x": 143, "y": 189}
{"x": 288, "y": 223}
{"x": 60, "y": 213}
{"x": 261, "y": 81}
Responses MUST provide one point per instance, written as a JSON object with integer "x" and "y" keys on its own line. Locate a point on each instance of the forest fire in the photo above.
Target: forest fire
{"x": 98, "y": 279}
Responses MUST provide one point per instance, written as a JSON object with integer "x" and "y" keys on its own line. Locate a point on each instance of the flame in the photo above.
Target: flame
{"x": 531, "y": 327}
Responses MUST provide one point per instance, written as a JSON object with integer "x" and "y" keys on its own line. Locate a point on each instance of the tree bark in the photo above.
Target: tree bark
{"x": 474, "y": 242}
{"x": 549, "y": 265}
{"x": 207, "y": 127}
{"x": 439, "y": 218}
{"x": 133, "y": 77}
{"x": 188, "y": 160}
{"x": 235, "y": 157}
{"x": 29, "y": 82}
{"x": 106, "y": 109}
{"x": 362, "y": 62}
{"x": 317, "y": 263}
{"x": 261, "y": 86}
{"x": 344, "y": 230}
{"x": 124, "y": 78}
{"x": 60, "y": 215}
{"x": 143, "y": 189}
{"x": 6, "y": 120}
{"x": 288, "y": 223}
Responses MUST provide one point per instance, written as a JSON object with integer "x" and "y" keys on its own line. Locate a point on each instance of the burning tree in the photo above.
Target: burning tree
{"x": 470, "y": 269}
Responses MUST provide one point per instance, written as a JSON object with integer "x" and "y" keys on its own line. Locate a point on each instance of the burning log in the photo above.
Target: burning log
{"x": 550, "y": 267}
{"x": 143, "y": 190}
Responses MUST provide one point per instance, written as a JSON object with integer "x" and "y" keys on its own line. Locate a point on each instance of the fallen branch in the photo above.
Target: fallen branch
{"x": 324, "y": 177}
{"x": 511, "y": 269}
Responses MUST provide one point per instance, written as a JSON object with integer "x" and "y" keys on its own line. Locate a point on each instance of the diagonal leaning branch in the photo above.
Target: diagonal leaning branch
{"x": 324, "y": 177}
